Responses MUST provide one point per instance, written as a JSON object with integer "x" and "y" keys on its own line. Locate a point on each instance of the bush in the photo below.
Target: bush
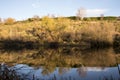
{"x": 9, "y": 21}
{"x": 48, "y": 23}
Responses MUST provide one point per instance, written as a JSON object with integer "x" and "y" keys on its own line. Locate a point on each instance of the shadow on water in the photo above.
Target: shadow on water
{"x": 16, "y": 45}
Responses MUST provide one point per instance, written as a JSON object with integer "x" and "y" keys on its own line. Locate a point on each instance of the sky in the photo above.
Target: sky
{"x": 23, "y": 9}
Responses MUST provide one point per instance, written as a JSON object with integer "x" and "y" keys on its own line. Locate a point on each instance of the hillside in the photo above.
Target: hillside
{"x": 62, "y": 31}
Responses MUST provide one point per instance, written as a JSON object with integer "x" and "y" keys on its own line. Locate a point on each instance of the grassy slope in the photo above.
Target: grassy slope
{"x": 62, "y": 30}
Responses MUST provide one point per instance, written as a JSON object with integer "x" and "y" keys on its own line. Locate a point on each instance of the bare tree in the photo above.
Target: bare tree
{"x": 36, "y": 17}
{"x": 52, "y": 15}
{"x": 0, "y": 20}
{"x": 101, "y": 16}
{"x": 118, "y": 18}
{"x": 81, "y": 13}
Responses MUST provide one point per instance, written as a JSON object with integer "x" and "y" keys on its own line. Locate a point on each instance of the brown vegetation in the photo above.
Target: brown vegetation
{"x": 61, "y": 30}
{"x": 61, "y": 57}
{"x": 9, "y": 21}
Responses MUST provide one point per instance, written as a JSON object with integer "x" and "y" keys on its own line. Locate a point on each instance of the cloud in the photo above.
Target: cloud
{"x": 36, "y": 5}
{"x": 96, "y": 11}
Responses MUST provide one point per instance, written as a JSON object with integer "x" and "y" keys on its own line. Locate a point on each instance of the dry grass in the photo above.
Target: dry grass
{"x": 61, "y": 30}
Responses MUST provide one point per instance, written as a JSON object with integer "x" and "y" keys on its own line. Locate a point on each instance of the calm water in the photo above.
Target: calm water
{"x": 64, "y": 63}
{"x": 63, "y": 73}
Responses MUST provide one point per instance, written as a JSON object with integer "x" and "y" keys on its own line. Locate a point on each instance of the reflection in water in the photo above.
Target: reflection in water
{"x": 62, "y": 73}
{"x": 62, "y": 57}
{"x": 82, "y": 71}
{"x": 64, "y": 63}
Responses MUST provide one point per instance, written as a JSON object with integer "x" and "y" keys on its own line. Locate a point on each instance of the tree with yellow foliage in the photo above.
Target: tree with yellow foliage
{"x": 9, "y": 20}
{"x": 48, "y": 23}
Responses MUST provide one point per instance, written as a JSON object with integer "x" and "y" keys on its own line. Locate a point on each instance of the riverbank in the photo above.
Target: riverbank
{"x": 55, "y": 32}
{"x": 19, "y": 44}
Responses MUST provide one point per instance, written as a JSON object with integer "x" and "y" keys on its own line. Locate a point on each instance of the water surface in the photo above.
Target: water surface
{"x": 63, "y": 73}
{"x": 64, "y": 63}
